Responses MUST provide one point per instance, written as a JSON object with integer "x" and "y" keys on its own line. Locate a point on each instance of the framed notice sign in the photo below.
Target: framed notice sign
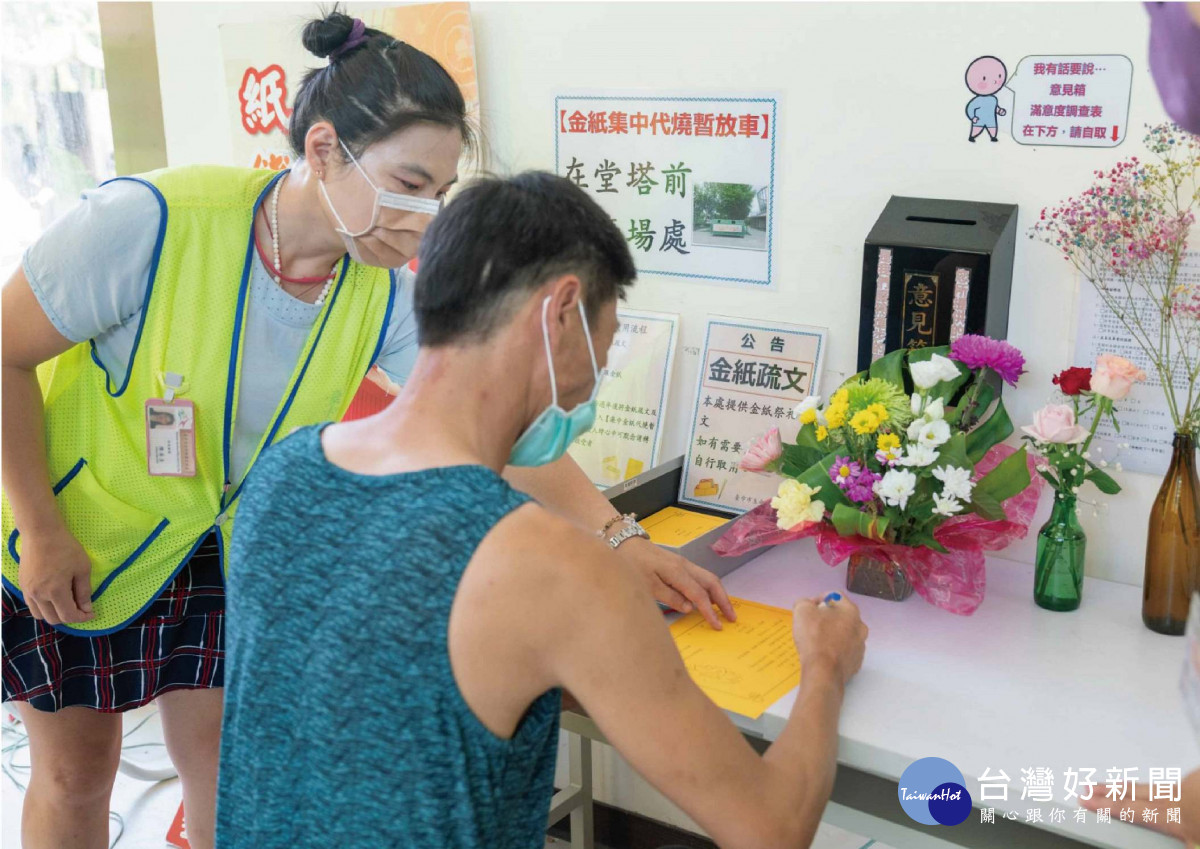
{"x": 689, "y": 178}
{"x": 627, "y": 436}
{"x": 752, "y": 376}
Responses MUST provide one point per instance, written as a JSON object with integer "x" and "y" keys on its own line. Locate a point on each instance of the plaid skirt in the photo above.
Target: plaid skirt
{"x": 178, "y": 643}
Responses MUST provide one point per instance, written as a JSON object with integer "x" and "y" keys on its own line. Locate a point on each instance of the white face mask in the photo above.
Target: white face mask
{"x": 383, "y": 199}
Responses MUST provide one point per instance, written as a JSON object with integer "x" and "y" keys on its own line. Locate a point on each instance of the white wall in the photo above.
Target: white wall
{"x": 872, "y": 106}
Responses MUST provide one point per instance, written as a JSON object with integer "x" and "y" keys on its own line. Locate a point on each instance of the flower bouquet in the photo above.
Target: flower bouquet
{"x": 1066, "y": 463}
{"x": 1127, "y": 234}
{"x": 911, "y": 489}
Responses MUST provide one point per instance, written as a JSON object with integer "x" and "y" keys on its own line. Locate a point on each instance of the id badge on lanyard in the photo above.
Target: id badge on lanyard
{"x": 171, "y": 433}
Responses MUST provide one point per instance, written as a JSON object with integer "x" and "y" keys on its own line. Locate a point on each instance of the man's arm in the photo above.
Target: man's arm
{"x": 615, "y": 657}
{"x": 563, "y": 487}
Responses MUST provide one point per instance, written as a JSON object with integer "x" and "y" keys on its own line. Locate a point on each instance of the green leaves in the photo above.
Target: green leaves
{"x": 987, "y": 506}
{"x": 987, "y": 394}
{"x": 921, "y": 355}
{"x": 954, "y": 453}
{"x": 1001, "y": 483}
{"x": 990, "y": 433}
{"x": 797, "y": 459}
{"x": 817, "y": 476}
{"x": 1050, "y": 479}
{"x": 850, "y": 521}
{"x": 1072, "y": 470}
{"x": 890, "y": 367}
{"x": 925, "y": 538}
{"x": 1102, "y": 480}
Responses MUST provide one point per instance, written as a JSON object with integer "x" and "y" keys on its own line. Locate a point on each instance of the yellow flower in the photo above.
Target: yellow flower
{"x": 879, "y": 411}
{"x": 794, "y": 504}
{"x": 887, "y": 441}
{"x": 836, "y": 414}
{"x": 808, "y": 416}
{"x": 842, "y": 396}
{"x": 864, "y": 422}
{"x": 822, "y": 433}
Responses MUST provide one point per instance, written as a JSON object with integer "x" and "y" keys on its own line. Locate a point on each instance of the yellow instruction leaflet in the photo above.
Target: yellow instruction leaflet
{"x": 746, "y": 667}
{"x": 675, "y": 526}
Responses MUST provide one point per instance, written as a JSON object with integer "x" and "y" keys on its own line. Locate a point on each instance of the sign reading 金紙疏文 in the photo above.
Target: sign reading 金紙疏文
{"x": 627, "y": 435}
{"x": 689, "y": 180}
{"x": 752, "y": 376}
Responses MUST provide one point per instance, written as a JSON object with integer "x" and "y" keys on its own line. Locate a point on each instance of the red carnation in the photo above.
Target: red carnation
{"x": 1072, "y": 381}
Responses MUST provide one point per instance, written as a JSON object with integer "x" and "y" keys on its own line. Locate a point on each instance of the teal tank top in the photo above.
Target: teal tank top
{"x": 343, "y": 724}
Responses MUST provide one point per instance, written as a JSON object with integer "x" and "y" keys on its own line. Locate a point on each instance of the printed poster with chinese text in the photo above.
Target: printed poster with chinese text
{"x": 752, "y": 376}
{"x": 265, "y": 62}
{"x": 627, "y": 436}
{"x": 689, "y": 180}
{"x": 1143, "y": 415}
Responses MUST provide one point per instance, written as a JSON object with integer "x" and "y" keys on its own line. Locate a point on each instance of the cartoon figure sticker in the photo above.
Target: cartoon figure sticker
{"x": 1064, "y": 101}
{"x": 985, "y": 76}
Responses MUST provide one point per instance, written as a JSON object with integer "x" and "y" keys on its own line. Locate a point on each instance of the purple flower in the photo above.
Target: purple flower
{"x": 976, "y": 352}
{"x": 863, "y": 488}
{"x": 844, "y": 472}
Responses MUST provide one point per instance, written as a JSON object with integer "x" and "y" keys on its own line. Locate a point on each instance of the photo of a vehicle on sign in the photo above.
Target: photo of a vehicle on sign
{"x": 730, "y": 215}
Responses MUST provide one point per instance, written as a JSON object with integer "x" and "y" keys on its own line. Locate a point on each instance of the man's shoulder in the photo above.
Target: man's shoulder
{"x": 541, "y": 548}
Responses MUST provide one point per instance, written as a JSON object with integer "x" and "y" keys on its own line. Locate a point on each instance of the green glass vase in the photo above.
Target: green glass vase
{"x": 1058, "y": 578}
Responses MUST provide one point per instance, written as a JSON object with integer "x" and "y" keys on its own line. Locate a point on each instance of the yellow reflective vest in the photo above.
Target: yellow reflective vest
{"x": 139, "y": 530}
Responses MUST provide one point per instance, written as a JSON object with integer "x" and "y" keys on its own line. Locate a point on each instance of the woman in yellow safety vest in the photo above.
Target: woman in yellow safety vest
{"x": 157, "y": 339}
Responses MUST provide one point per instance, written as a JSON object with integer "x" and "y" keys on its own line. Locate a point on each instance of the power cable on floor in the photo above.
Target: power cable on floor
{"x": 15, "y": 740}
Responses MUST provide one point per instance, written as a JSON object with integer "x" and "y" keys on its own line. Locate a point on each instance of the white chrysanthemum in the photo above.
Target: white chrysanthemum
{"x": 896, "y": 487}
{"x": 919, "y": 455}
{"x": 946, "y": 506}
{"x": 956, "y": 481}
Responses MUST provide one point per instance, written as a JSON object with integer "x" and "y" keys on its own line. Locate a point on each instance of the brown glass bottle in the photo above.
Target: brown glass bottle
{"x": 1173, "y": 545}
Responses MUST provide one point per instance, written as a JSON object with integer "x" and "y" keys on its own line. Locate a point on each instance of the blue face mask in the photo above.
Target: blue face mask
{"x": 555, "y": 429}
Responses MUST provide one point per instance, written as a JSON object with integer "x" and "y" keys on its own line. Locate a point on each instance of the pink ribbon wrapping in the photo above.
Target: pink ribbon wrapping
{"x": 954, "y": 581}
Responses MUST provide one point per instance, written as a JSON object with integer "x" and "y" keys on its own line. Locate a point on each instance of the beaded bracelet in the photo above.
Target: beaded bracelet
{"x": 603, "y": 532}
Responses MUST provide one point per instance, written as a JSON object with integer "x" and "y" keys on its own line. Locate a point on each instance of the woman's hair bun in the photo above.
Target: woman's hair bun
{"x": 324, "y": 35}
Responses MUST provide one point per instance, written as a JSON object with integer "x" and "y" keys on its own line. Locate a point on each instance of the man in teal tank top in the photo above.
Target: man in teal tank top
{"x": 402, "y": 621}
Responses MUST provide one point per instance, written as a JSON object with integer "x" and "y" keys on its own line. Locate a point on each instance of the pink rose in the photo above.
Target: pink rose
{"x": 1114, "y": 376}
{"x": 765, "y": 451}
{"x": 1056, "y": 423}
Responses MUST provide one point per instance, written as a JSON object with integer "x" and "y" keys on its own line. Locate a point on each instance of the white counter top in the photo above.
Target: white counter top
{"x": 1010, "y": 687}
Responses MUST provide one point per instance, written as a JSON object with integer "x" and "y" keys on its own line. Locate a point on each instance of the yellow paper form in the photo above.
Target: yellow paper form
{"x": 746, "y": 667}
{"x": 676, "y": 526}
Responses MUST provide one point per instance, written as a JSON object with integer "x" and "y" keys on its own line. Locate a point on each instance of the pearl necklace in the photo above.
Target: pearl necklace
{"x": 275, "y": 245}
